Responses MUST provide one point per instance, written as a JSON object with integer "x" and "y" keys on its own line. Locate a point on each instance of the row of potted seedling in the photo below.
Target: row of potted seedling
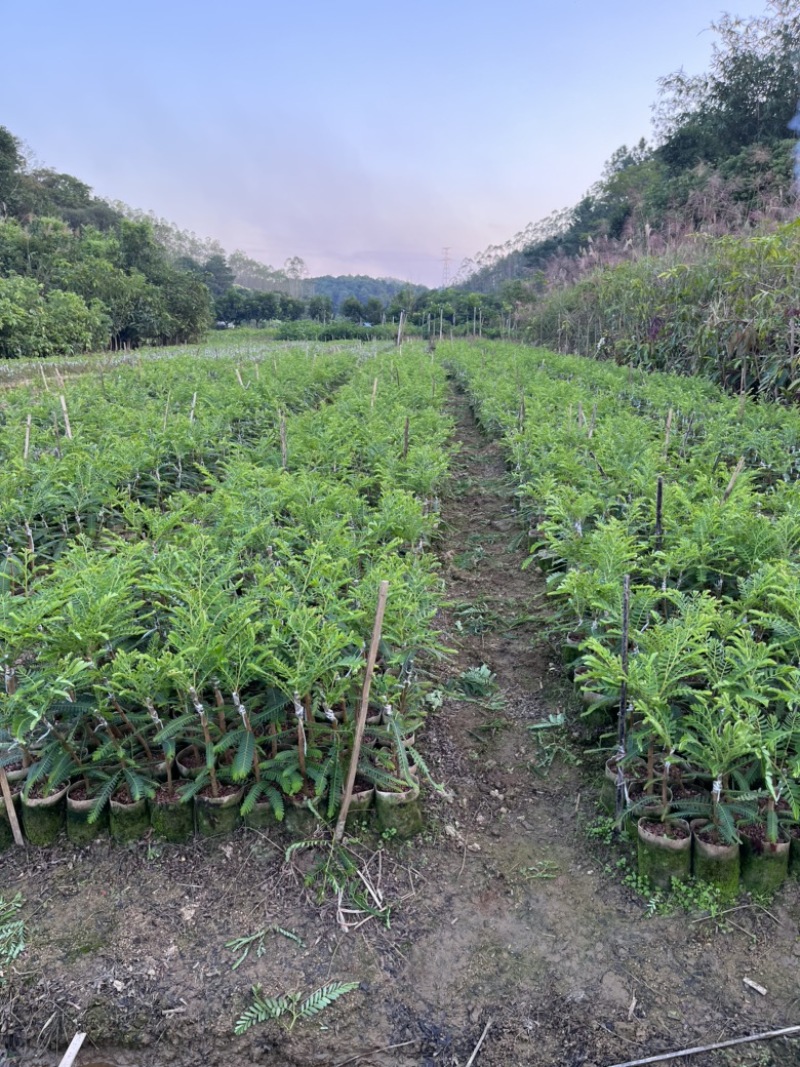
{"x": 672, "y": 564}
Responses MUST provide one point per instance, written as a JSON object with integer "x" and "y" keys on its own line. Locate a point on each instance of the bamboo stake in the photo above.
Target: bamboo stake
{"x": 194, "y": 404}
{"x": 734, "y": 478}
{"x": 405, "y": 439}
{"x": 27, "y": 447}
{"x": 67, "y": 427}
{"x": 374, "y": 393}
{"x": 239, "y": 378}
{"x": 59, "y": 379}
{"x": 10, "y": 809}
{"x": 71, "y": 1054}
{"x": 44, "y": 379}
{"x": 765, "y": 1036}
{"x": 593, "y": 423}
{"x": 659, "y": 530}
{"x": 347, "y": 794}
{"x": 166, "y": 413}
{"x": 623, "y": 695}
{"x": 668, "y": 431}
{"x": 284, "y": 448}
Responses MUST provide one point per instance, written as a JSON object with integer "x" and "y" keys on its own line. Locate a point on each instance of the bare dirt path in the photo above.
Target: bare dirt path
{"x": 502, "y": 912}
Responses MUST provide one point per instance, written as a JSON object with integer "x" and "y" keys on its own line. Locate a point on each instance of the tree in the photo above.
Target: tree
{"x": 352, "y": 309}
{"x": 373, "y": 310}
{"x": 320, "y": 308}
{"x": 748, "y": 96}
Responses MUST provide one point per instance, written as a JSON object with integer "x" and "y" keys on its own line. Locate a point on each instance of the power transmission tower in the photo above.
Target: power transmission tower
{"x": 445, "y": 267}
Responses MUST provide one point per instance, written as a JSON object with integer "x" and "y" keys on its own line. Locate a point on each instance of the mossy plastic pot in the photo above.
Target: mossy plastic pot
{"x": 664, "y": 851}
{"x": 298, "y": 818}
{"x": 399, "y": 812}
{"x": 794, "y": 851}
{"x": 43, "y": 818}
{"x": 128, "y": 820}
{"x": 80, "y": 830}
{"x": 190, "y": 761}
{"x": 6, "y": 833}
{"x": 171, "y": 818}
{"x": 714, "y": 862}
{"x": 643, "y": 806}
{"x": 220, "y": 815}
{"x": 765, "y": 864}
{"x": 262, "y": 817}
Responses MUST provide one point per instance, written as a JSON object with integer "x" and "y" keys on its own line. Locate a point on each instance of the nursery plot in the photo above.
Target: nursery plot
{"x": 502, "y": 913}
{"x": 193, "y": 550}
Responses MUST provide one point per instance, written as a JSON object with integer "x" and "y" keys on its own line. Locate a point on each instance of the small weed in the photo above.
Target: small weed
{"x": 290, "y": 1007}
{"x": 550, "y": 746}
{"x": 257, "y": 939}
{"x": 12, "y": 933}
{"x": 601, "y": 829}
{"x": 543, "y": 869}
{"x": 477, "y": 682}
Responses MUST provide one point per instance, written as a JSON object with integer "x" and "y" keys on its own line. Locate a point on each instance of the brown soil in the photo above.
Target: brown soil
{"x": 503, "y": 913}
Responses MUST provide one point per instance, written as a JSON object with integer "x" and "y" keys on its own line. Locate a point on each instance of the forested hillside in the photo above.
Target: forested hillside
{"x": 683, "y": 255}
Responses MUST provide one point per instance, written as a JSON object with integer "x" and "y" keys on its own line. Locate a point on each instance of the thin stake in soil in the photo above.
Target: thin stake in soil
{"x": 67, "y": 427}
{"x": 374, "y": 393}
{"x": 10, "y": 810}
{"x": 734, "y": 479}
{"x": 347, "y": 794}
{"x": 623, "y": 696}
{"x": 659, "y": 530}
{"x": 44, "y": 379}
{"x": 71, "y": 1054}
{"x": 667, "y": 431}
{"x": 405, "y": 439}
{"x": 284, "y": 448}
{"x": 27, "y": 447}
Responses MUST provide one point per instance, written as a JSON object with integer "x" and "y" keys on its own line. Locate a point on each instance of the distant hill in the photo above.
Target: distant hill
{"x": 360, "y": 286}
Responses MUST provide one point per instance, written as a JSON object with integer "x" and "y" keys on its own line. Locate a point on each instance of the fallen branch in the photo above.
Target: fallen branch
{"x": 766, "y": 1036}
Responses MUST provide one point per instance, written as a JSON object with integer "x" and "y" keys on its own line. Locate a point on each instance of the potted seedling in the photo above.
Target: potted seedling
{"x": 717, "y": 739}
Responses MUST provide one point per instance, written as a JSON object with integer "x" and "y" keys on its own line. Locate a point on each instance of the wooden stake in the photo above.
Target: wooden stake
{"x": 623, "y": 693}
{"x": 697, "y": 1049}
{"x": 374, "y": 393}
{"x": 67, "y": 427}
{"x": 667, "y": 431}
{"x": 166, "y": 413}
{"x": 239, "y": 378}
{"x": 27, "y": 447}
{"x": 59, "y": 379}
{"x": 361, "y": 722}
{"x": 593, "y": 423}
{"x": 194, "y": 405}
{"x": 659, "y": 530}
{"x": 734, "y": 478}
{"x": 284, "y": 448}
{"x": 10, "y": 810}
{"x": 71, "y": 1054}
{"x": 405, "y": 438}
{"x": 44, "y": 379}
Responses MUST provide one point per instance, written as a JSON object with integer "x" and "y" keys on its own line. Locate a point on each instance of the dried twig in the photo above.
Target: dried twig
{"x": 766, "y": 1036}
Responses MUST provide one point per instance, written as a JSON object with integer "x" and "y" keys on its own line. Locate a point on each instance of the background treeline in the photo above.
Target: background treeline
{"x": 683, "y": 255}
{"x": 78, "y": 273}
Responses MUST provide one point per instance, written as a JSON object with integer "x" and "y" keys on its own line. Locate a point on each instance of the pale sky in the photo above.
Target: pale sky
{"x": 363, "y": 137}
